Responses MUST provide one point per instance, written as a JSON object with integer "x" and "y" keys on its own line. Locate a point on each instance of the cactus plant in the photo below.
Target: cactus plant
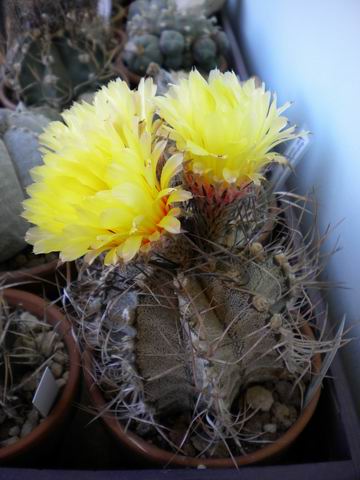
{"x": 19, "y": 152}
{"x": 185, "y": 357}
{"x": 171, "y": 42}
{"x": 191, "y": 331}
{"x": 53, "y": 63}
{"x": 182, "y": 41}
{"x": 148, "y": 45}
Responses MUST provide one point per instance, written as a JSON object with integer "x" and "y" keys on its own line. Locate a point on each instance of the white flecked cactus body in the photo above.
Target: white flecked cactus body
{"x": 190, "y": 343}
{"x": 19, "y": 152}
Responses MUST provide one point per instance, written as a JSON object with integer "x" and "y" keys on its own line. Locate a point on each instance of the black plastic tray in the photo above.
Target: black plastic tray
{"x": 329, "y": 448}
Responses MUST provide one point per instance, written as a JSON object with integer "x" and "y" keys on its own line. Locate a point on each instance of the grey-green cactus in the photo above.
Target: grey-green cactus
{"x": 204, "y": 51}
{"x": 142, "y": 50}
{"x": 184, "y": 41}
{"x": 172, "y": 42}
{"x": 173, "y": 62}
{"x": 191, "y": 357}
{"x": 54, "y": 66}
{"x": 19, "y": 152}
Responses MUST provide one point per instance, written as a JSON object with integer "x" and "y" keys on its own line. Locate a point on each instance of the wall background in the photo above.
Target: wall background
{"x": 309, "y": 52}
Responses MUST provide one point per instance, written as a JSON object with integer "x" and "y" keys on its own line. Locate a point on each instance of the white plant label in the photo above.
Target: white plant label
{"x": 296, "y": 149}
{"x": 293, "y": 153}
{"x": 46, "y": 393}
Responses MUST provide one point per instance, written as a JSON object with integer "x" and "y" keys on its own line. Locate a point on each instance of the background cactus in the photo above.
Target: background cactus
{"x": 148, "y": 45}
{"x": 209, "y": 359}
{"x": 54, "y": 62}
{"x": 182, "y": 41}
{"x": 19, "y": 152}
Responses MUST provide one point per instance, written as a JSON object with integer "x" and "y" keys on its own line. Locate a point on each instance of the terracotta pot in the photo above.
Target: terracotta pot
{"x": 44, "y": 271}
{"x": 47, "y": 277}
{"x": 37, "y": 306}
{"x": 155, "y": 455}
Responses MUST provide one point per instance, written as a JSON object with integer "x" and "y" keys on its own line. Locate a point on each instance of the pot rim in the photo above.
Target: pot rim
{"x": 160, "y": 456}
{"x": 33, "y": 273}
{"x": 37, "y": 306}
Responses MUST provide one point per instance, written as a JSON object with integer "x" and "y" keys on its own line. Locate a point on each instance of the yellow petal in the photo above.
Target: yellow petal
{"x": 170, "y": 169}
{"x": 111, "y": 258}
{"x": 130, "y": 248}
{"x": 179, "y": 196}
{"x": 170, "y": 224}
{"x": 225, "y": 128}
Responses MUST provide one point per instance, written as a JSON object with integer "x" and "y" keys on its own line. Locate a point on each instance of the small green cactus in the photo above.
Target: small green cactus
{"x": 142, "y": 50}
{"x": 204, "y": 50}
{"x": 171, "y": 42}
{"x": 184, "y": 41}
{"x": 222, "y": 42}
{"x": 136, "y": 7}
{"x": 173, "y": 62}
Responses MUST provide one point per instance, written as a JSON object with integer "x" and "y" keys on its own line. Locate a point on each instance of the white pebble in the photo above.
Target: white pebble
{"x": 27, "y": 428}
{"x": 61, "y": 382}
{"x": 270, "y": 427}
{"x": 259, "y": 398}
{"x": 57, "y": 369}
{"x": 9, "y": 441}
{"x": 60, "y": 357}
{"x": 14, "y": 431}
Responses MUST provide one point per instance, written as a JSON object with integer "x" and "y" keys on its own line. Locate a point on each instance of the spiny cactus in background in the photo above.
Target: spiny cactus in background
{"x": 19, "y": 152}
{"x": 20, "y": 15}
{"x": 160, "y": 33}
{"x": 55, "y": 65}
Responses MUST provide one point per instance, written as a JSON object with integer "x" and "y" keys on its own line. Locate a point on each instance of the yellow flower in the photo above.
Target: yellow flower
{"x": 228, "y": 130}
{"x": 102, "y": 186}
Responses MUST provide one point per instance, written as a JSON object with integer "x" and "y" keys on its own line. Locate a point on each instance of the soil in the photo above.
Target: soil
{"x": 29, "y": 346}
{"x": 26, "y": 259}
{"x": 266, "y": 411}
